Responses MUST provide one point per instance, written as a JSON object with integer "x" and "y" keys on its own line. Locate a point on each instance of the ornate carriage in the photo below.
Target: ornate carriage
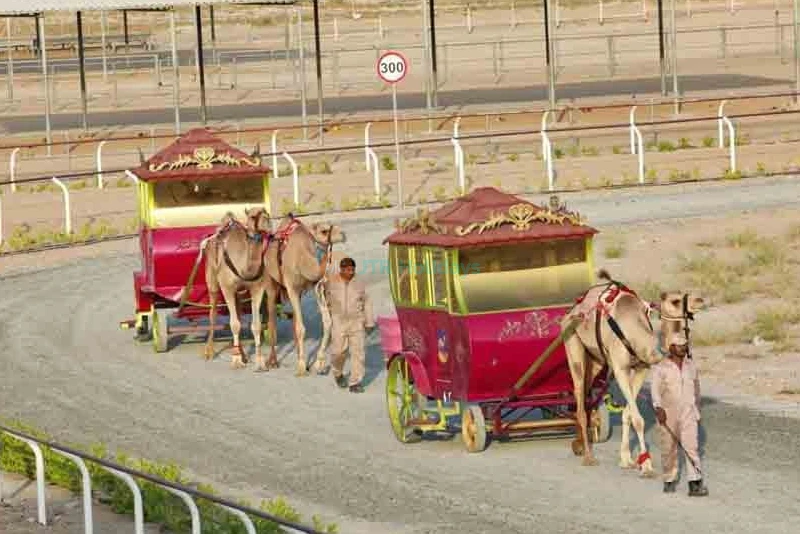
{"x": 183, "y": 193}
{"x": 479, "y": 287}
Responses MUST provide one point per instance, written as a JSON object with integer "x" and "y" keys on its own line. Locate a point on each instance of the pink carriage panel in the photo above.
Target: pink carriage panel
{"x": 391, "y": 340}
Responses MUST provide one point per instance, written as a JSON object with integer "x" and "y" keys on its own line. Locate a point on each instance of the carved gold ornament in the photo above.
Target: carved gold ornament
{"x": 521, "y": 216}
{"x": 205, "y": 158}
{"x": 423, "y": 222}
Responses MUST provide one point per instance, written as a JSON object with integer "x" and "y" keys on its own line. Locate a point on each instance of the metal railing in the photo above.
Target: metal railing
{"x": 129, "y": 476}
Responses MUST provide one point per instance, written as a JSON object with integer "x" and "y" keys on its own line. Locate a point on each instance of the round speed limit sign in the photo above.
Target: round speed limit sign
{"x": 392, "y": 67}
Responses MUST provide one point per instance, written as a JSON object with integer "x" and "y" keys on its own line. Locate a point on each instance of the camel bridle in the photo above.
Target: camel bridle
{"x": 258, "y": 236}
{"x": 284, "y": 235}
{"x": 684, "y": 317}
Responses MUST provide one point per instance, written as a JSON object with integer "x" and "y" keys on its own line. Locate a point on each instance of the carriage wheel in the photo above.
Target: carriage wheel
{"x": 160, "y": 336}
{"x": 600, "y": 431}
{"x": 402, "y": 401}
{"x": 473, "y": 428}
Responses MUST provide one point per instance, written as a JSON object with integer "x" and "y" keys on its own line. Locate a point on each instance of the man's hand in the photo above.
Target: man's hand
{"x": 661, "y": 416}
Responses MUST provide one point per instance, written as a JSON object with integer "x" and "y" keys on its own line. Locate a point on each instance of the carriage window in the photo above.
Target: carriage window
{"x": 524, "y": 275}
{"x": 203, "y": 192}
{"x": 439, "y": 272}
{"x": 420, "y": 276}
{"x": 403, "y": 274}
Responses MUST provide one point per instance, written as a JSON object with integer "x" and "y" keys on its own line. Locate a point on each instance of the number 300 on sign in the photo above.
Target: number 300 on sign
{"x": 392, "y": 67}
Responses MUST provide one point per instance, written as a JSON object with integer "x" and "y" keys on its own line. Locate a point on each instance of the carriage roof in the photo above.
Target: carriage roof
{"x": 489, "y": 216}
{"x": 199, "y": 154}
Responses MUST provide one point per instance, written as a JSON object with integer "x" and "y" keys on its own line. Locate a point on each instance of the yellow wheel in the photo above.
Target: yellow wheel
{"x": 160, "y": 335}
{"x": 600, "y": 429}
{"x": 402, "y": 402}
{"x": 473, "y": 429}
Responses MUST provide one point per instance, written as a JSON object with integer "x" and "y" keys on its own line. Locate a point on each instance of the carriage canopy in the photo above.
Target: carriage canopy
{"x": 198, "y": 178}
{"x": 490, "y": 251}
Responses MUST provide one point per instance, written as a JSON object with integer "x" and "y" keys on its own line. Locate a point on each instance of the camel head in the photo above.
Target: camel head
{"x": 672, "y": 304}
{"x": 257, "y": 220}
{"x": 325, "y": 233}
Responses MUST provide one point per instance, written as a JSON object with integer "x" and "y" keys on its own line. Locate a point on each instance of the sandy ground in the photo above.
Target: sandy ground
{"x": 333, "y": 453}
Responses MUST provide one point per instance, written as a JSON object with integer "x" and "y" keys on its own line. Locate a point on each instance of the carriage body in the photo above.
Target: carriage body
{"x": 480, "y": 290}
{"x": 183, "y": 193}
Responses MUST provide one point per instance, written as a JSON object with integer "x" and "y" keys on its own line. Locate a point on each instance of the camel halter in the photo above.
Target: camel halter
{"x": 256, "y": 237}
{"x": 685, "y": 317}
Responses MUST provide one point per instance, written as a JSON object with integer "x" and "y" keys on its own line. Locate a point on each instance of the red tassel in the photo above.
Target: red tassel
{"x": 643, "y": 458}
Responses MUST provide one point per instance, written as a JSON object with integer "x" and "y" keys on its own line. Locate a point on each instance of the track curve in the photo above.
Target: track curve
{"x": 65, "y": 367}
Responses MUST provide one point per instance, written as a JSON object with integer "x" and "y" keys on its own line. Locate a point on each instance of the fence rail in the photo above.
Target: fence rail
{"x": 129, "y": 476}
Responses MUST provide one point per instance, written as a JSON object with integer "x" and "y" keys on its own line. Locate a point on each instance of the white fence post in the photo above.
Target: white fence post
{"x": 193, "y": 511}
{"x": 275, "y": 155}
{"x": 295, "y": 178}
{"x": 100, "y": 164}
{"x": 731, "y": 142}
{"x": 86, "y": 482}
{"x": 40, "y": 497}
{"x": 635, "y": 131}
{"x": 12, "y": 169}
{"x": 67, "y": 212}
{"x": 248, "y": 524}
{"x": 138, "y": 515}
{"x": 132, "y": 176}
{"x": 720, "y": 133}
{"x": 547, "y": 151}
{"x": 458, "y": 154}
{"x": 366, "y": 145}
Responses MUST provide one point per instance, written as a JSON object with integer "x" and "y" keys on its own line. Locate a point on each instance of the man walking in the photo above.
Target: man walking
{"x": 351, "y": 313}
{"x": 675, "y": 391}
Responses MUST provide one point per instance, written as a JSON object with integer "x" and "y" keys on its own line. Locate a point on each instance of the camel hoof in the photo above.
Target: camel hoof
{"x": 301, "y": 370}
{"x": 261, "y": 368}
{"x": 648, "y": 474}
{"x": 323, "y": 370}
{"x": 208, "y": 354}
{"x": 237, "y": 364}
{"x": 627, "y": 464}
{"x": 590, "y": 461}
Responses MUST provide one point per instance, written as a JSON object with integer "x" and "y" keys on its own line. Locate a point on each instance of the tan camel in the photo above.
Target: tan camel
{"x": 629, "y": 353}
{"x": 294, "y": 265}
{"x": 235, "y": 261}
{"x": 676, "y": 311}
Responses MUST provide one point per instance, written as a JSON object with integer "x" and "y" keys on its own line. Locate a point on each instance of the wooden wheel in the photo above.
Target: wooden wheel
{"x": 600, "y": 430}
{"x": 160, "y": 335}
{"x": 402, "y": 401}
{"x": 473, "y": 429}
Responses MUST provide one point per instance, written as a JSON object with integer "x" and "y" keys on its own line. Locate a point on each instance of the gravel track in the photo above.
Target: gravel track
{"x": 66, "y": 368}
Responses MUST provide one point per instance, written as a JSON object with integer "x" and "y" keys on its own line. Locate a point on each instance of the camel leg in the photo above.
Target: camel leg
{"x": 299, "y": 332}
{"x": 272, "y": 321}
{"x": 626, "y": 383}
{"x": 578, "y": 368}
{"x": 212, "y": 317}
{"x": 625, "y": 458}
{"x": 325, "y": 313}
{"x": 256, "y": 297}
{"x": 230, "y": 300}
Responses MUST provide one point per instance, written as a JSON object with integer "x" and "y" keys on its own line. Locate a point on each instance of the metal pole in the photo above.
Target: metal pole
{"x": 301, "y": 51}
{"x": 674, "y": 54}
{"x": 213, "y": 25}
{"x": 201, "y": 73}
{"x": 103, "y": 26}
{"x": 38, "y": 35}
{"x": 10, "y": 66}
{"x": 319, "y": 68}
{"x": 176, "y": 77}
{"x": 548, "y": 47}
{"x": 435, "y": 80}
{"x": 43, "y": 48}
{"x": 397, "y": 148}
{"x": 425, "y": 55}
{"x": 125, "y": 30}
{"x": 82, "y": 69}
{"x": 662, "y": 63}
{"x": 796, "y": 51}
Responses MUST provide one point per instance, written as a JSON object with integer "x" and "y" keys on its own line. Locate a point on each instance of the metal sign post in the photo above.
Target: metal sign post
{"x": 392, "y": 68}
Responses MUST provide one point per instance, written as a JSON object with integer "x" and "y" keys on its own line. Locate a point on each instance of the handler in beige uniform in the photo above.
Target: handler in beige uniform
{"x": 675, "y": 392}
{"x": 351, "y": 313}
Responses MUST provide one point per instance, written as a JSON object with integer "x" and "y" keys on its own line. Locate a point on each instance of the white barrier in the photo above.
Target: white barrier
{"x": 12, "y": 169}
{"x": 547, "y": 152}
{"x": 720, "y": 133}
{"x": 458, "y": 155}
{"x": 295, "y": 178}
{"x": 86, "y": 485}
{"x": 371, "y": 161}
{"x": 138, "y": 514}
{"x": 100, "y": 164}
{"x": 638, "y": 134}
{"x": 67, "y": 211}
{"x": 132, "y": 176}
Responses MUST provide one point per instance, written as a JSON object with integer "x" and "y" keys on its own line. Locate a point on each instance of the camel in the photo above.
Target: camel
{"x": 235, "y": 261}
{"x": 629, "y": 353}
{"x": 676, "y": 310}
{"x": 294, "y": 265}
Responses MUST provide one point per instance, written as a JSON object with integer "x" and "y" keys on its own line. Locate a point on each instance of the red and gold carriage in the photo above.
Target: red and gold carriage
{"x": 480, "y": 286}
{"x": 183, "y": 193}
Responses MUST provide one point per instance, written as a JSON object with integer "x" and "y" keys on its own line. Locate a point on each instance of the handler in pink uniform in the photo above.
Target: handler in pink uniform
{"x": 675, "y": 391}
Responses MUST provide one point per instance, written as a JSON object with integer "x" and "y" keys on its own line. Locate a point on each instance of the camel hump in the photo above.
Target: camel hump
{"x": 603, "y": 275}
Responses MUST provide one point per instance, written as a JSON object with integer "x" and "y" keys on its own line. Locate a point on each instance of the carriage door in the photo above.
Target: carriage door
{"x": 439, "y": 295}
